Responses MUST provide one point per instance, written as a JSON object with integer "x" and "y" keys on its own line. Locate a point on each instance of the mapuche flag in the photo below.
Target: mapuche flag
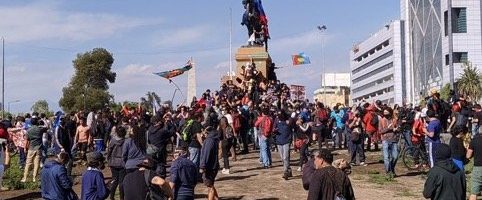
{"x": 175, "y": 72}
{"x": 301, "y": 59}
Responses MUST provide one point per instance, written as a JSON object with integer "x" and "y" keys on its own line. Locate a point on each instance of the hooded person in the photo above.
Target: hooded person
{"x": 209, "y": 164}
{"x": 55, "y": 181}
{"x": 445, "y": 180}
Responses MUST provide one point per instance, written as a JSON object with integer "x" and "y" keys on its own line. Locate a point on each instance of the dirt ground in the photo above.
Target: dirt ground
{"x": 249, "y": 181}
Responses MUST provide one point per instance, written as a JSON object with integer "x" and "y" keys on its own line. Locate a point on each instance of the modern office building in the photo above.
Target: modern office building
{"x": 440, "y": 36}
{"x": 378, "y": 65}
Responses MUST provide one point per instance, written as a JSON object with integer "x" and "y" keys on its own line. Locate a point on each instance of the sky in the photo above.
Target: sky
{"x": 43, "y": 37}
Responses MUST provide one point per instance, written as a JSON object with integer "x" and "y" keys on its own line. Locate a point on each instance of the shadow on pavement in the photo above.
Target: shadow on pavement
{"x": 268, "y": 199}
{"x": 227, "y": 178}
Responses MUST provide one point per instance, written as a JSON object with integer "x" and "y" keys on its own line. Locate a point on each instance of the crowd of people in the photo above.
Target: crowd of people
{"x": 165, "y": 154}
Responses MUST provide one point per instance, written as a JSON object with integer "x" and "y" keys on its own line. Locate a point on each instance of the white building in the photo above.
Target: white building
{"x": 335, "y": 88}
{"x": 377, "y": 66}
{"x": 438, "y": 40}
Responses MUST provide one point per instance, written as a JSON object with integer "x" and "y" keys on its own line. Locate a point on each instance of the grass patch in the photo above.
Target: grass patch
{"x": 406, "y": 193}
{"x": 14, "y": 174}
{"x": 380, "y": 179}
{"x": 357, "y": 177}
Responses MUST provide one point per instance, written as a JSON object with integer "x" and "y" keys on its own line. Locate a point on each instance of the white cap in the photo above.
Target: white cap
{"x": 424, "y": 112}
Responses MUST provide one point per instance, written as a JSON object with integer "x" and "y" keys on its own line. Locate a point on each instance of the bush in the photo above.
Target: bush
{"x": 14, "y": 174}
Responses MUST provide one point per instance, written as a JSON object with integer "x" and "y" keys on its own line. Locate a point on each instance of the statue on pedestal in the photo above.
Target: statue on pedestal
{"x": 256, "y": 22}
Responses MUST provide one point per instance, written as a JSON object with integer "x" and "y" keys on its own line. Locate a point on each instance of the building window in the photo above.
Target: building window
{"x": 459, "y": 20}
{"x": 446, "y": 23}
{"x": 460, "y": 57}
{"x": 447, "y": 59}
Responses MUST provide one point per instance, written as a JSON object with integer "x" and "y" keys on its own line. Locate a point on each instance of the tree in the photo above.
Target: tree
{"x": 445, "y": 92}
{"x": 151, "y": 102}
{"x": 88, "y": 88}
{"x": 469, "y": 84}
{"x": 41, "y": 106}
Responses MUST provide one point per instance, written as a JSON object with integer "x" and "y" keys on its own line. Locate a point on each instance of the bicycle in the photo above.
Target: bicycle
{"x": 415, "y": 157}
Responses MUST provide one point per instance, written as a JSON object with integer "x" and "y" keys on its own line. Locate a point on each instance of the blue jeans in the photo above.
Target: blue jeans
{"x": 99, "y": 145}
{"x": 264, "y": 151}
{"x": 22, "y": 156}
{"x": 356, "y": 148}
{"x": 390, "y": 156}
{"x": 195, "y": 155}
{"x": 408, "y": 137}
{"x": 254, "y": 134}
{"x": 338, "y": 137}
{"x": 430, "y": 146}
{"x": 284, "y": 152}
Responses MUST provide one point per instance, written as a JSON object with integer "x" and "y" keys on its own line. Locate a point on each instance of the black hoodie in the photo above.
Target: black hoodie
{"x": 445, "y": 181}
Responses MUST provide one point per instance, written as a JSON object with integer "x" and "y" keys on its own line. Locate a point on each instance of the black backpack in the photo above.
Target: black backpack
{"x": 155, "y": 192}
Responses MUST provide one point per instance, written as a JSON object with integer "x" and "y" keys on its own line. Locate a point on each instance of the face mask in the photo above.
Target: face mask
{"x": 387, "y": 116}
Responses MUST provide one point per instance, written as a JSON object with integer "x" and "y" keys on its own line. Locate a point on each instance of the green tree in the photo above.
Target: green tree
{"x": 41, "y": 106}
{"x": 151, "y": 102}
{"x": 469, "y": 84}
{"x": 445, "y": 92}
{"x": 88, "y": 88}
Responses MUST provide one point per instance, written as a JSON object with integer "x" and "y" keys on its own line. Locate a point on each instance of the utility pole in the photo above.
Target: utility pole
{"x": 3, "y": 78}
{"x": 230, "y": 44}
{"x": 322, "y": 29}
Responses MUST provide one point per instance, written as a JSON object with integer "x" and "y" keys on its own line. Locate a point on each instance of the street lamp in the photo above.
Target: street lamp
{"x": 10, "y": 102}
{"x": 322, "y": 29}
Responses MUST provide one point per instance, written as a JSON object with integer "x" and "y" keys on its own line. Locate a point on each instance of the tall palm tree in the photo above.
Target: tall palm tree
{"x": 151, "y": 102}
{"x": 470, "y": 82}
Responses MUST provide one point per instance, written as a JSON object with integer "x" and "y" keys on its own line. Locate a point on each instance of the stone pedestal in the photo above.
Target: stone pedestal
{"x": 258, "y": 55}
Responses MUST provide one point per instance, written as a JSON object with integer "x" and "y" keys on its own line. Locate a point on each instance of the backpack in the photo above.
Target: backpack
{"x": 266, "y": 126}
{"x": 186, "y": 131}
{"x": 115, "y": 157}
{"x": 151, "y": 149}
{"x": 154, "y": 192}
{"x": 236, "y": 122}
{"x": 374, "y": 121}
{"x": 321, "y": 116}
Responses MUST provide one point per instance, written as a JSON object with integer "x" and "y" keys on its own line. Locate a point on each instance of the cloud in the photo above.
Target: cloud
{"x": 183, "y": 36}
{"x": 34, "y": 22}
{"x": 299, "y": 42}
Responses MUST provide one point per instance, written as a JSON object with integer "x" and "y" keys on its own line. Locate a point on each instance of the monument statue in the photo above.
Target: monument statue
{"x": 255, "y": 20}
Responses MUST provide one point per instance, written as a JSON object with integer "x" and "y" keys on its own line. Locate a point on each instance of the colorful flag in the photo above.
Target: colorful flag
{"x": 175, "y": 72}
{"x": 301, "y": 59}
{"x": 263, "y": 19}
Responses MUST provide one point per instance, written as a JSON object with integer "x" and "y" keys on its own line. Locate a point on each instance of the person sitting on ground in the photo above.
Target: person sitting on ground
{"x": 144, "y": 183}
{"x": 327, "y": 182}
{"x": 445, "y": 180}
{"x": 183, "y": 175}
{"x": 55, "y": 181}
{"x": 93, "y": 186}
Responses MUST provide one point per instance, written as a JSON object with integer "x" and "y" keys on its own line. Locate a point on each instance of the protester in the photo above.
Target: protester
{"x": 432, "y": 132}
{"x": 337, "y": 116}
{"x": 159, "y": 135}
{"x": 192, "y": 136}
{"x": 19, "y": 137}
{"x": 355, "y": 127}
{"x": 83, "y": 138}
{"x": 457, "y": 147}
{"x": 4, "y": 161}
{"x": 444, "y": 180}
{"x": 227, "y": 140}
{"x": 144, "y": 183}
{"x": 283, "y": 136}
{"x": 475, "y": 151}
{"x": 116, "y": 162}
{"x": 209, "y": 162}
{"x": 34, "y": 138}
{"x": 327, "y": 182}
{"x": 93, "y": 186}
{"x": 55, "y": 181}
{"x": 134, "y": 149}
{"x": 265, "y": 125}
{"x": 183, "y": 176}
{"x": 388, "y": 129}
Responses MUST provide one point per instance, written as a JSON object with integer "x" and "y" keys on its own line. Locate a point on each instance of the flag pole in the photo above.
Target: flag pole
{"x": 177, "y": 88}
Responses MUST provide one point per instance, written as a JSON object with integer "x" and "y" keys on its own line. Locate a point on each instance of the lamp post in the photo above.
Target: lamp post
{"x": 322, "y": 29}
{"x": 10, "y": 102}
